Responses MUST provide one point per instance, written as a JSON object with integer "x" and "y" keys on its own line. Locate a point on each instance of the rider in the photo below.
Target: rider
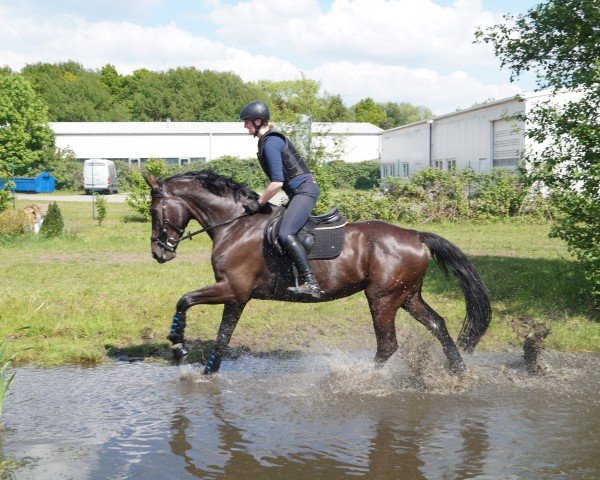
{"x": 286, "y": 169}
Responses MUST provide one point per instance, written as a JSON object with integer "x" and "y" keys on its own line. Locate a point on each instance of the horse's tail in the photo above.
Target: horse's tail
{"x": 479, "y": 310}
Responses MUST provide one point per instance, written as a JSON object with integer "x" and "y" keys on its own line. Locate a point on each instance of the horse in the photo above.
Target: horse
{"x": 385, "y": 261}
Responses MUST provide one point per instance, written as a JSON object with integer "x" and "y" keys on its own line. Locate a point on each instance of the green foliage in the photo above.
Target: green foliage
{"x": 74, "y": 94}
{"x": 5, "y": 378}
{"x": 368, "y": 111}
{"x": 496, "y": 195}
{"x": 5, "y": 192}
{"x": 361, "y": 176}
{"x": 560, "y": 41}
{"x": 24, "y": 129}
{"x": 365, "y": 205}
{"x": 101, "y": 208}
{"x": 403, "y": 113}
{"x": 245, "y": 171}
{"x": 12, "y": 223}
{"x": 64, "y": 167}
{"x": 139, "y": 195}
{"x": 53, "y": 225}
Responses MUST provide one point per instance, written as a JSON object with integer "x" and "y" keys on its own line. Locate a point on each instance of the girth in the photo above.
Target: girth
{"x": 322, "y": 236}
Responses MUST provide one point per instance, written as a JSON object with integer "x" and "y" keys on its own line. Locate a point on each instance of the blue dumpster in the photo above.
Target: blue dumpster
{"x": 43, "y": 183}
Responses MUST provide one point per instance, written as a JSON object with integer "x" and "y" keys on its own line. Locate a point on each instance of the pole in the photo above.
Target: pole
{"x": 12, "y": 167}
{"x": 93, "y": 194}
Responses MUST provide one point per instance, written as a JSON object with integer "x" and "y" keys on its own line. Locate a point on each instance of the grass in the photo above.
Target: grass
{"x": 97, "y": 290}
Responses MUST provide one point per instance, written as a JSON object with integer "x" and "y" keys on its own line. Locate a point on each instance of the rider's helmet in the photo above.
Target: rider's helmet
{"x": 255, "y": 111}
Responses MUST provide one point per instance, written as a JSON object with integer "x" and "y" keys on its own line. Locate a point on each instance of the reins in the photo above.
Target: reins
{"x": 189, "y": 235}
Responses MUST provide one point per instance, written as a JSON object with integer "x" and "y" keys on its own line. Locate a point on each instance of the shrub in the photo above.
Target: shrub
{"x": 361, "y": 175}
{"x": 139, "y": 196}
{"x": 360, "y": 205}
{"x": 12, "y": 223}
{"x": 53, "y": 225}
{"x": 497, "y": 195}
{"x": 101, "y": 208}
{"x": 247, "y": 172}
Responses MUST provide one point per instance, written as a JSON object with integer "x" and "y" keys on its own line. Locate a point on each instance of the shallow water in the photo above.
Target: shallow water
{"x": 316, "y": 416}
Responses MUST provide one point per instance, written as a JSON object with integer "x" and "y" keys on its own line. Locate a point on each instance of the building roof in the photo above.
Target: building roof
{"x": 195, "y": 128}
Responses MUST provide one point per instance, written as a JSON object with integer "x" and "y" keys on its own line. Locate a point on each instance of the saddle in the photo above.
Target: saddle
{"x": 322, "y": 236}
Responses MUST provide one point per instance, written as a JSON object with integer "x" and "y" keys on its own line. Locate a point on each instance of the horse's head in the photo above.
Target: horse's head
{"x": 169, "y": 219}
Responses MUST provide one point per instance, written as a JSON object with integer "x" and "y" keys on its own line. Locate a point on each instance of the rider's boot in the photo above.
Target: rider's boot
{"x": 309, "y": 284}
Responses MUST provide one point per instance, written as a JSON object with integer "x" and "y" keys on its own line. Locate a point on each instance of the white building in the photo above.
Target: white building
{"x": 184, "y": 142}
{"x": 483, "y": 137}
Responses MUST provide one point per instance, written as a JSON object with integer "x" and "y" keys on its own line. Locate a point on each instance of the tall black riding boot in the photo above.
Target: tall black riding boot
{"x": 300, "y": 258}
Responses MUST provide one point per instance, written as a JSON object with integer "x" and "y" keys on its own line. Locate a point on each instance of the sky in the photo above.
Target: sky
{"x": 416, "y": 51}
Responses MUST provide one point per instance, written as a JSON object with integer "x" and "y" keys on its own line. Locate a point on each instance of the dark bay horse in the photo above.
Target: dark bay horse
{"x": 387, "y": 262}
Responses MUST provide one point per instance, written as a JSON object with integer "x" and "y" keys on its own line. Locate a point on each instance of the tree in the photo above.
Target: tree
{"x": 74, "y": 94}
{"x": 53, "y": 225}
{"x": 403, "y": 113}
{"x": 368, "y": 111}
{"x": 559, "y": 40}
{"x": 24, "y": 129}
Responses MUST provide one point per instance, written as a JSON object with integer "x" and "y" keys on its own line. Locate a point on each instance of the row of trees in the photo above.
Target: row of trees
{"x": 76, "y": 94}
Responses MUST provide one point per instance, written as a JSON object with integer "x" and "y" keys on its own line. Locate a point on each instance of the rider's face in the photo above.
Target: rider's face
{"x": 249, "y": 125}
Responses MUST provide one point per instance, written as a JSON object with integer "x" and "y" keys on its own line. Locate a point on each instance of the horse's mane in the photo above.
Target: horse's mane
{"x": 216, "y": 184}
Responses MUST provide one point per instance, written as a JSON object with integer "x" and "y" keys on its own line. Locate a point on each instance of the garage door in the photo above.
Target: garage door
{"x": 508, "y": 142}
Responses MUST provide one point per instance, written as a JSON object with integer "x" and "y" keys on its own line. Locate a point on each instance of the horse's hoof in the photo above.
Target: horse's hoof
{"x": 180, "y": 355}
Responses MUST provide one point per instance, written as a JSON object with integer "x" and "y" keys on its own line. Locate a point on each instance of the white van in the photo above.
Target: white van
{"x": 100, "y": 175}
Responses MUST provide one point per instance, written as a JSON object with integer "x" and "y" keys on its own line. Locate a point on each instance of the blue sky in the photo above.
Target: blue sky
{"x": 419, "y": 51}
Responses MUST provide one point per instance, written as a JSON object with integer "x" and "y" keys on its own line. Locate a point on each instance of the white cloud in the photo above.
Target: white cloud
{"x": 391, "y": 50}
{"x": 411, "y": 32}
{"x": 441, "y": 93}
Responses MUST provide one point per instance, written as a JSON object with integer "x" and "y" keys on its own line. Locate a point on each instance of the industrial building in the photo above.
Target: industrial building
{"x": 185, "y": 142}
{"x": 483, "y": 137}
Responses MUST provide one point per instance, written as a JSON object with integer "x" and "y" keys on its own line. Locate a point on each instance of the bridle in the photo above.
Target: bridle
{"x": 169, "y": 243}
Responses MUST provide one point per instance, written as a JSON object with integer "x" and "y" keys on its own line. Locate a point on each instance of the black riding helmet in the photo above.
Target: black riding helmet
{"x": 254, "y": 111}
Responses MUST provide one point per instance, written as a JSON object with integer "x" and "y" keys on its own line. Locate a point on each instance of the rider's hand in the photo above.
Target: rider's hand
{"x": 252, "y": 206}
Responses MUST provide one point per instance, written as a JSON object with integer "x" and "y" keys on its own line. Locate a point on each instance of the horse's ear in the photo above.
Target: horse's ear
{"x": 151, "y": 181}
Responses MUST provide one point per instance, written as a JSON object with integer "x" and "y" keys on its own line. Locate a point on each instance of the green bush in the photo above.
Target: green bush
{"x": 101, "y": 208}
{"x": 361, "y": 205}
{"x": 64, "y": 167}
{"x": 53, "y": 225}
{"x": 139, "y": 194}
{"x": 12, "y": 223}
{"x": 245, "y": 171}
{"x": 499, "y": 194}
{"x": 362, "y": 175}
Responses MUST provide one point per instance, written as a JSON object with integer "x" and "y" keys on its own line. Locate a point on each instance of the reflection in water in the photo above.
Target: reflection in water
{"x": 325, "y": 417}
{"x": 474, "y": 449}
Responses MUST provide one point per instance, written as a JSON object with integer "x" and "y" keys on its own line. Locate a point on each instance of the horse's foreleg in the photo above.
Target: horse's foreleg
{"x": 213, "y": 294}
{"x": 435, "y": 323}
{"x": 231, "y": 315}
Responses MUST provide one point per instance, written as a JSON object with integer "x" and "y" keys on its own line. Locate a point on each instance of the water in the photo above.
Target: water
{"x": 316, "y": 416}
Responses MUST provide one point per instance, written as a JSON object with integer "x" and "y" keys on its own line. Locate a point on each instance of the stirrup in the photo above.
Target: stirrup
{"x": 307, "y": 288}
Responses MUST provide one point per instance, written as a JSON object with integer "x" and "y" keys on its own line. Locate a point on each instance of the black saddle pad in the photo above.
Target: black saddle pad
{"x": 322, "y": 237}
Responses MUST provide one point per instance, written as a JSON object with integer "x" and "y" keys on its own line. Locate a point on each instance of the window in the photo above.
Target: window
{"x": 405, "y": 170}
{"x": 451, "y": 165}
{"x": 184, "y": 161}
{"x": 438, "y": 164}
{"x": 134, "y": 162}
{"x": 388, "y": 170}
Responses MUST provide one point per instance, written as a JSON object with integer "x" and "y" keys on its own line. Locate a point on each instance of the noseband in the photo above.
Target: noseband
{"x": 169, "y": 243}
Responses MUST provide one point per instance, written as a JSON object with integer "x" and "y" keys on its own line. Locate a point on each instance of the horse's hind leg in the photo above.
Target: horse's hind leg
{"x": 418, "y": 308}
{"x": 383, "y": 312}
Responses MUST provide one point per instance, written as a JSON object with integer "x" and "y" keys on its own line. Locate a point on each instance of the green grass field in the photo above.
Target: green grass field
{"x": 96, "y": 290}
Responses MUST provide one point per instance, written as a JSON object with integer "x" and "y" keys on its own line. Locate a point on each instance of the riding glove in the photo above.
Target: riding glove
{"x": 252, "y": 206}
